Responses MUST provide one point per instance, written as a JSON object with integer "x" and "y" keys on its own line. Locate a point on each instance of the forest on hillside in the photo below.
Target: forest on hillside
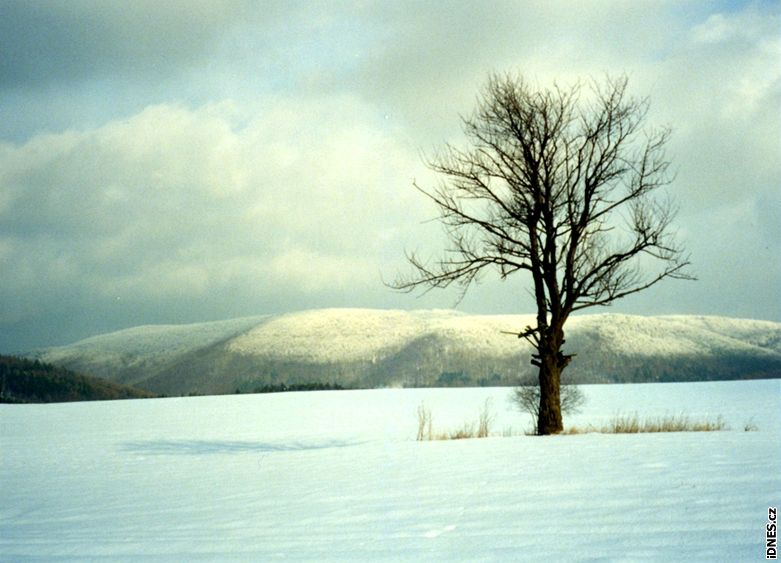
{"x": 33, "y": 381}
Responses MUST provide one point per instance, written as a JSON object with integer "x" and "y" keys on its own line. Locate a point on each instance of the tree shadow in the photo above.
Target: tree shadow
{"x": 208, "y": 447}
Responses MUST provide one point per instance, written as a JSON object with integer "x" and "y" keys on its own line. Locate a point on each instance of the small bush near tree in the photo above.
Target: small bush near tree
{"x": 527, "y": 397}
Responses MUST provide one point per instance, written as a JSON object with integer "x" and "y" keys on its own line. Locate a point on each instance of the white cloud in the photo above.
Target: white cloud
{"x": 299, "y": 194}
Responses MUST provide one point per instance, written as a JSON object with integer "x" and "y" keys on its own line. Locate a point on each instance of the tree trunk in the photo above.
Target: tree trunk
{"x": 549, "y": 418}
{"x": 551, "y": 363}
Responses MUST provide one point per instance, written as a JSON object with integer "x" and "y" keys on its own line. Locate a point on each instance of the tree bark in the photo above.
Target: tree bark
{"x": 549, "y": 419}
{"x": 551, "y": 363}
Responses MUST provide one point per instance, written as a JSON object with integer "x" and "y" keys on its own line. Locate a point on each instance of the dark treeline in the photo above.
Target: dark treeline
{"x": 285, "y": 387}
{"x": 32, "y": 381}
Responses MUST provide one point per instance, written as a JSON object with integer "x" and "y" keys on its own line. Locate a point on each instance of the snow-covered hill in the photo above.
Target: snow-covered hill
{"x": 380, "y": 348}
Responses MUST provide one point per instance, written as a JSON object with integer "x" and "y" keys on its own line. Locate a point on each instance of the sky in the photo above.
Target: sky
{"x": 187, "y": 161}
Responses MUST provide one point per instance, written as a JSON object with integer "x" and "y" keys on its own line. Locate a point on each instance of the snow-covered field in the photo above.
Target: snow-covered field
{"x": 338, "y": 476}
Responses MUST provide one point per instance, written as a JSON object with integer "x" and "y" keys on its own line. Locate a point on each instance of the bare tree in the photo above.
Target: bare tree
{"x": 562, "y": 184}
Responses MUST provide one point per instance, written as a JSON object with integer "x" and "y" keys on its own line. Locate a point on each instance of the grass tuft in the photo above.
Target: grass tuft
{"x": 480, "y": 429}
{"x": 425, "y": 430}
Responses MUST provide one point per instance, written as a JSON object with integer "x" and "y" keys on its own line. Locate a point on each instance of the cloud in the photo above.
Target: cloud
{"x": 427, "y": 68}
{"x": 174, "y": 161}
{"x": 82, "y": 63}
{"x": 720, "y": 89}
{"x": 49, "y": 41}
{"x": 293, "y": 194}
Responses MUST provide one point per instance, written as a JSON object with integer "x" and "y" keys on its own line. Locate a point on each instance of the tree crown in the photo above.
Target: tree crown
{"x": 559, "y": 184}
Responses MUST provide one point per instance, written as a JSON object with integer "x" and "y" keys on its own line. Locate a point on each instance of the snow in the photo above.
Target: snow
{"x": 151, "y": 342}
{"x": 334, "y": 335}
{"x": 327, "y": 336}
{"x": 763, "y": 334}
{"x": 335, "y": 476}
{"x": 679, "y": 334}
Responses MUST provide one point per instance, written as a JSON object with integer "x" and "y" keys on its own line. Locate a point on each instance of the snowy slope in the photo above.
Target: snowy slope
{"x": 335, "y": 335}
{"x": 144, "y": 347}
{"x": 337, "y": 476}
{"x": 680, "y": 335}
{"x": 370, "y": 348}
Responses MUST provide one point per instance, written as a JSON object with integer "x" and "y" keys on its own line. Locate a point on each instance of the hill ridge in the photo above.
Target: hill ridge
{"x": 357, "y": 347}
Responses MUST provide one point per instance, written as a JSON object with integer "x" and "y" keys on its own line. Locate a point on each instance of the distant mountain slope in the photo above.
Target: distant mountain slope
{"x": 129, "y": 356}
{"x": 373, "y": 348}
{"x": 28, "y": 381}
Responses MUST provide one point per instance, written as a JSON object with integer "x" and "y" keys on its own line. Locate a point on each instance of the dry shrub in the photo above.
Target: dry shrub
{"x": 527, "y": 398}
{"x": 485, "y": 421}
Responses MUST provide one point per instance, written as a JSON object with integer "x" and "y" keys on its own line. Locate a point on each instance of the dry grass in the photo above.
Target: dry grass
{"x": 620, "y": 424}
{"x": 479, "y": 429}
{"x": 632, "y": 424}
{"x": 425, "y": 428}
{"x": 465, "y": 432}
{"x": 485, "y": 421}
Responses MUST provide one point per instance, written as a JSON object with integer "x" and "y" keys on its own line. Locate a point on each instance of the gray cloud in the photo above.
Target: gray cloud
{"x": 428, "y": 68}
{"x": 50, "y": 41}
{"x": 300, "y": 197}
